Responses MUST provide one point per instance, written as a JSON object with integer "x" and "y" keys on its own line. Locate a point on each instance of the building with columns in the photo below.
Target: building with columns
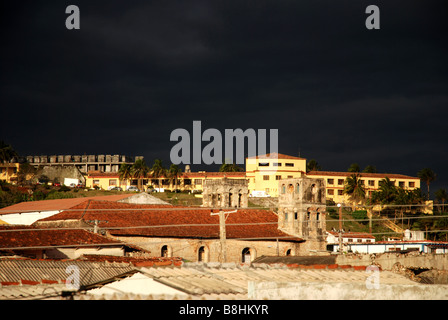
{"x": 225, "y": 193}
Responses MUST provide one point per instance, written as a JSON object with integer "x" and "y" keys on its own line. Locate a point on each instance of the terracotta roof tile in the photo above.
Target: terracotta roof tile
{"x": 275, "y": 155}
{"x": 362, "y": 174}
{"x": 169, "y": 221}
{"x": 56, "y": 204}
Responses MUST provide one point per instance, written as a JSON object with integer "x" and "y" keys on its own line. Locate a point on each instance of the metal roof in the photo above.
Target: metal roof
{"x": 15, "y": 270}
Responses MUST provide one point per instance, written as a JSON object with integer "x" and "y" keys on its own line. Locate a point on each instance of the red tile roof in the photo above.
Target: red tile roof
{"x": 362, "y": 174}
{"x": 57, "y": 204}
{"x": 177, "y": 222}
{"x": 136, "y": 261}
{"x": 275, "y": 155}
{"x": 16, "y": 237}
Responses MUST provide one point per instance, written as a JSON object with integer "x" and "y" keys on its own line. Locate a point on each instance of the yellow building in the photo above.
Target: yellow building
{"x": 8, "y": 172}
{"x": 187, "y": 181}
{"x": 334, "y": 182}
{"x": 264, "y": 171}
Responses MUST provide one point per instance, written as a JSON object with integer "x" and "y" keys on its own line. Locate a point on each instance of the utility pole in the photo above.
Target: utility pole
{"x": 222, "y": 233}
{"x": 340, "y": 228}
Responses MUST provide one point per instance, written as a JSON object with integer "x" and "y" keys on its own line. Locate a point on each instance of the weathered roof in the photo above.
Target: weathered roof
{"x": 13, "y": 237}
{"x": 56, "y": 204}
{"x": 232, "y": 281}
{"x": 14, "y": 271}
{"x": 178, "y": 222}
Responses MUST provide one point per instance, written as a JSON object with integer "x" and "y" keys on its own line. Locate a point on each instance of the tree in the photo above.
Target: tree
{"x": 442, "y": 196}
{"x": 313, "y": 165}
{"x": 354, "y": 188}
{"x": 427, "y": 176}
{"x": 158, "y": 171}
{"x": 230, "y": 167}
{"x": 173, "y": 173}
{"x": 370, "y": 169}
{"x": 6, "y": 152}
{"x": 125, "y": 172}
{"x": 139, "y": 171}
{"x": 354, "y": 167}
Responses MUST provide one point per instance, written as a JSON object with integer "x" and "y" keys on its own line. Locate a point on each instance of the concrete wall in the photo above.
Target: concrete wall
{"x": 388, "y": 260}
{"x": 345, "y": 291}
{"x": 189, "y": 248}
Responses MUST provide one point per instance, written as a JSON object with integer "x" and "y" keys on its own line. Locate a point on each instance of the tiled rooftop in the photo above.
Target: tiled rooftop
{"x": 185, "y": 222}
{"x": 56, "y": 204}
{"x": 17, "y": 236}
{"x": 362, "y": 174}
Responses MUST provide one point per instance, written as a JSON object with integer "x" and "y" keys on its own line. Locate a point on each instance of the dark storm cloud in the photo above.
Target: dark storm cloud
{"x": 336, "y": 91}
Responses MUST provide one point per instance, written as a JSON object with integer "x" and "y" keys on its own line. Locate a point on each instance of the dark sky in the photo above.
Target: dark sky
{"x": 336, "y": 91}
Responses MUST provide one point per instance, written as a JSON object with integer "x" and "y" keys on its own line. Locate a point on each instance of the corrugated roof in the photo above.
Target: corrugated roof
{"x": 15, "y": 270}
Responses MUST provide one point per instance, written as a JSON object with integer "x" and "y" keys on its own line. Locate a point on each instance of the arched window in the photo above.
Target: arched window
{"x": 247, "y": 255}
{"x": 164, "y": 252}
{"x": 288, "y": 252}
{"x": 201, "y": 254}
{"x": 283, "y": 189}
{"x": 297, "y": 188}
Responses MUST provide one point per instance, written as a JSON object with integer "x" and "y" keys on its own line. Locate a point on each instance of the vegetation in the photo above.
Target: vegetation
{"x": 427, "y": 175}
{"x": 230, "y": 167}
{"x": 355, "y": 189}
{"x": 158, "y": 171}
{"x": 6, "y": 152}
{"x": 313, "y": 165}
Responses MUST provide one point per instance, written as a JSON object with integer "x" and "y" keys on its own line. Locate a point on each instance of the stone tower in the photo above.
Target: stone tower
{"x": 225, "y": 193}
{"x": 302, "y": 210}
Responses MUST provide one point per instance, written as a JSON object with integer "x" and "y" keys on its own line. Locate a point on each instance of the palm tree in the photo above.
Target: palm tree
{"x": 173, "y": 173}
{"x": 230, "y": 167}
{"x": 6, "y": 152}
{"x": 442, "y": 196}
{"x": 158, "y": 171}
{"x": 354, "y": 167}
{"x": 387, "y": 191}
{"x": 370, "y": 169}
{"x": 428, "y": 176}
{"x": 125, "y": 172}
{"x": 139, "y": 171}
{"x": 313, "y": 165}
{"x": 354, "y": 188}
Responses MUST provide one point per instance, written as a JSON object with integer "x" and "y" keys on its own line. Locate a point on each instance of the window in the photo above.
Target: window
{"x": 330, "y": 192}
{"x": 411, "y": 184}
{"x": 330, "y": 181}
{"x": 263, "y": 164}
{"x": 286, "y": 216}
{"x": 288, "y": 164}
{"x": 283, "y": 189}
{"x": 371, "y": 183}
{"x": 296, "y": 216}
{"x": 359, "y": 240}
{"x": 289, "y": 177}
{"x": 164, "y": 252}
{"x": 361, "y": 182}
{"x": 276, "y": 164}
{"x": 297, "y": 188}
{"x": 96, "y": 182}
{"x": 246, "y": 255}
{"x": 288, "y": 252}
{"x": 340, "y": 192}
{"x": 401, "y": 184}
{"x": 201, "y": 254}
{"x": 340, "y": 182}
{"x": 198, "y": 181}
{"x": 112, "y": 182}
{"x": 350, "y": 240}
{"x": 265, "y": 177}
{"x": 278, "y": 177}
